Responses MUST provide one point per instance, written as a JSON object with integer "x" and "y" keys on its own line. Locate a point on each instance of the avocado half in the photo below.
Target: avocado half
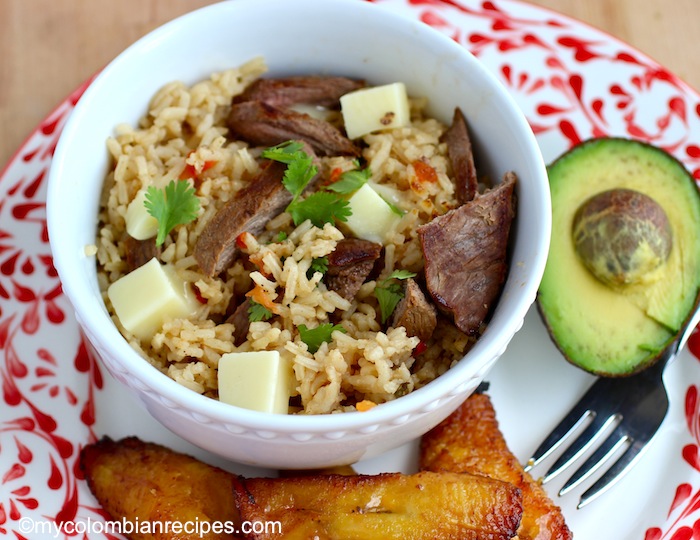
{"x": 618, "y": 329}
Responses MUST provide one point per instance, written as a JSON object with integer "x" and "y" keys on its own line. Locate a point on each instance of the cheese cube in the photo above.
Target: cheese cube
{"x": 372, "y": 218}
{"x": 258, "y": 380}
{"x": 144, "y": 298}
{"x": 375, "y": 109}
{"x": 139, "y": 223}
{"x": 390, "y": 194}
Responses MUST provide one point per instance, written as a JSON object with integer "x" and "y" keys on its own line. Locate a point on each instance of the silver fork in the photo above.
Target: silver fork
{"x": 632, "y": 407}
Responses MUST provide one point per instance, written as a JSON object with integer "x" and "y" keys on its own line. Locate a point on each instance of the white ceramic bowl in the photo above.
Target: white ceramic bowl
{"x": 347, "y": 37}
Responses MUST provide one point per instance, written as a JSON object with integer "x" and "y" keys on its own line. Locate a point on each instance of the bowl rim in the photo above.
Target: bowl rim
{"x": 452, "y": 382}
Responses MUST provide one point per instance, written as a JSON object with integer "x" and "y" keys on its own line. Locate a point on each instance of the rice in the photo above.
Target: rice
{"x": 184, "y": 129}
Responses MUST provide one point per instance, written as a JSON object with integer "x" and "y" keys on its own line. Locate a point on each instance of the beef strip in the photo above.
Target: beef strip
{"x": 314, "y": 90}
{"x": 139, "y": 252}
{"x": 249, "y": 211}
{"x": 241, "y": 322}
{"x": 465, "y": 255}
{"x": 414, "y": 312}
{"x": 252, "y": 207}
{"x": 350, "y": 264}
{"x": 261, "y": 124}
{"x": 459, "y": 150}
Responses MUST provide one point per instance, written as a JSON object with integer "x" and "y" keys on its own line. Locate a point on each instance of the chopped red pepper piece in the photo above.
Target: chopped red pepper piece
{"x": 335, "y": 175}
{"x": 240, "y": 240}
{"x": 190, "y": 170}
{"x": 420, "y": 348}
{"x": 198, "y": 294}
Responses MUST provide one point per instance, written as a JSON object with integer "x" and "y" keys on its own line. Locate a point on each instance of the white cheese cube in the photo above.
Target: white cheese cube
{"x": 390, "y": 194}
{"x": 372, "y": 218}
{"x": 144, "y": 298}
{"x": 258, "y": 380}
{"x": 139, "y": 223}
{"x": 375, "y": 109}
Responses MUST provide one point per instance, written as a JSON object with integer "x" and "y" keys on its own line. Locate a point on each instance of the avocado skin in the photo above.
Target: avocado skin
{"x": 610, "y": 331}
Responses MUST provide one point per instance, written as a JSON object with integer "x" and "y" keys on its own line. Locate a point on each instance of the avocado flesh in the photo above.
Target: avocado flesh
{"x": 615, "y": 331}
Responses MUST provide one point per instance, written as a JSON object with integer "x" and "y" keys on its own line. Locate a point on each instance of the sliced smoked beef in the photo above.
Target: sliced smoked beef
{"x": 415, "y": 312}
{"x": 465, "y": 252}
{"x": 350, "y": 264}
{"x": 241, "y": 322}
{"x": 459, "y": 150}
{"x": 139, "y": 252}
{"x": 261, "y": 124}
{"x": 313, "y": 90}
{"x": 248, "y": 211}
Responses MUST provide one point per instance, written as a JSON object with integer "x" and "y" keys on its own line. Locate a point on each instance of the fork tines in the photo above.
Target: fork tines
{"x": 614, "y": 420}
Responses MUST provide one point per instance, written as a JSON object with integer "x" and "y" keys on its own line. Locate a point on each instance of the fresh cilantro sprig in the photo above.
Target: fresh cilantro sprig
{"x": 314, "y": 337}
{"x": 350, "y": 181}
{"x": 319, "y": 264}
{"x": 389, "y": 292}
{"x": 298, "y": 175}
{"x": 284, "y": 152}
{"x": 174, "y": 205}
{"x": 400, "y": 274}
{"x": 322, "y": 207}
{"x": 300, "y": 166}
{"x": 258, "y": 312}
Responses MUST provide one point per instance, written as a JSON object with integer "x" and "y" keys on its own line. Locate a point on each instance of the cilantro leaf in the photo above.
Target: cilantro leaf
{"x": 314, "y": 337}
{"x": 284, "y": 152}
{"x": 319, "y": 264}
{"x": 258, "y": 312}
{"x": 299, "y": 173}
{"x": 400, "y": 274}
{"x": 320, "y": 208}
{"x": 175, "y": 205}
{"x": 388, "y": 296}
{"x": 350, "y": 181}
{"x": 389, "y": 293}
{"x": 300, "y": 166}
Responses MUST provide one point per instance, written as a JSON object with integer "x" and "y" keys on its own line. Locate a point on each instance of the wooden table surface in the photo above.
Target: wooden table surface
{"x": 48, "y": 47}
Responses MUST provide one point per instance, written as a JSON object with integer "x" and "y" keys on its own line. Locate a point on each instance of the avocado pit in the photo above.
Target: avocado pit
{"x": 622, "y": 236}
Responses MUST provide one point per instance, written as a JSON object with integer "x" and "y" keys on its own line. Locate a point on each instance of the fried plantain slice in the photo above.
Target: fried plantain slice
{"x": 387, "y": 506}
{"x": 343, "y": 470}
{"x": 470, "y": 441}
{"x": 147, "y": 485}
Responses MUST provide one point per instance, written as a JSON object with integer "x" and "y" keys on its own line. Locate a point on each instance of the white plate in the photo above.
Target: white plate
{"x": 572, "y": 82}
